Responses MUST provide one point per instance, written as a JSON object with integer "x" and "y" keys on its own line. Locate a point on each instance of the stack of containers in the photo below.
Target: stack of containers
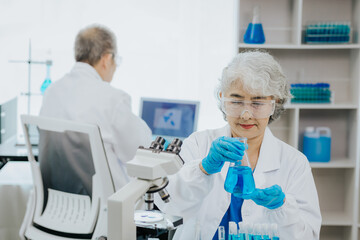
{"x": 328, "y": 32}
{"x": 310, "y": 93}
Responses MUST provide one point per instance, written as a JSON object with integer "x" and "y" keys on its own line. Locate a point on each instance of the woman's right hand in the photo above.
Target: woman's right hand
{"x": 222, "y": 149}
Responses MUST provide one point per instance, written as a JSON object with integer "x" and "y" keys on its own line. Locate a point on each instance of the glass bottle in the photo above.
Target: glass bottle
{"x": 239, "y": 179}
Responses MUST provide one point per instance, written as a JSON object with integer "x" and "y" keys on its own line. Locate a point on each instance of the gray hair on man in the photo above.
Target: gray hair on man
{"x": 93, "y": 42}
{"x": 260, "y": 74}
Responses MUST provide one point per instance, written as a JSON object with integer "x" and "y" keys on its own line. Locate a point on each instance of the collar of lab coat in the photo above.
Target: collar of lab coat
{"x": 269, "y": 159}
{"x": 86, "y": 69}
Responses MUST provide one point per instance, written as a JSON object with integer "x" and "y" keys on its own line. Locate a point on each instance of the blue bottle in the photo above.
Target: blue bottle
{"x": 317, "y": 144}
{"x": 254, "y": 33}
{"x": 47, "y": 80}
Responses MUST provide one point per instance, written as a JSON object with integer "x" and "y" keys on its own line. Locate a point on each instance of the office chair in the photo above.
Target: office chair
{"x": 72, "y": 181}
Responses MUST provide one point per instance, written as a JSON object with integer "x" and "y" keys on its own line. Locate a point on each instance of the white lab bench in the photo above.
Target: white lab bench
{"x": 15, "y": 186}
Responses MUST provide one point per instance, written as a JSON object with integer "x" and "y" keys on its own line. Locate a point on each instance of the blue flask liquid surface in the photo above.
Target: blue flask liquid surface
{"x": 239, "y": 181}
{"x": 254, "y": 34}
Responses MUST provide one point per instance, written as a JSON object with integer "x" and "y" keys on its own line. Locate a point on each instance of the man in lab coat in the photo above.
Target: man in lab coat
{"x": 85, "y": 95}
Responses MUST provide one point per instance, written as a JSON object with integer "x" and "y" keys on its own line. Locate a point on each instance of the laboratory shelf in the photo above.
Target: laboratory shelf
{"x": 335, "y": 233}
{"x": 334, "y": 163}
{"x": 337, "y": 181}
{"x": 299, "y": 46}
{"x": 321, "y": 106}
{"x": 336, "y": 219}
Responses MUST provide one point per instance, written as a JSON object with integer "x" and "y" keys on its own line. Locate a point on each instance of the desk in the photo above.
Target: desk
{"x": 15, "y": 186}
{"x": 9, "y": 151}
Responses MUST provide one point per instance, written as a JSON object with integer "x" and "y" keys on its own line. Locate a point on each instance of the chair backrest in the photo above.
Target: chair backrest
{"x": 72, "y": 179}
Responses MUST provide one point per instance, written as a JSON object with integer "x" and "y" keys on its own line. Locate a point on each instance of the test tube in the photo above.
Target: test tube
{"x": 249, "y": 231}
{"x": 232, "y": 230}
{"x": 266, "y": 231}
{"x": 257, "y": 232}
{"x": 241, "y": 232}
{"x": 275, "y": 232}
{"x": 221, "y": 233}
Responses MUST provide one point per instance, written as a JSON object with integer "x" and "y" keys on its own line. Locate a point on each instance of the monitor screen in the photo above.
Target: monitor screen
{"x": 170, "y": 118}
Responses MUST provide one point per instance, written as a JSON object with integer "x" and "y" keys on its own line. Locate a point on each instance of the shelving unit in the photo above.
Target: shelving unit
{"x": 293, "y": 46}
{"x": 284, "y": 22}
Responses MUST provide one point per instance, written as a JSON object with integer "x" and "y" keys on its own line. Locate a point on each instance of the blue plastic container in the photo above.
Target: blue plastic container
{"x": 317, "y": 144}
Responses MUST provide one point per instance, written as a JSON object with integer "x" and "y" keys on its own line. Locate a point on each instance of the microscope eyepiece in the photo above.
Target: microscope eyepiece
{"x": 158, "y": 143}
{"x": 174, "y": 146}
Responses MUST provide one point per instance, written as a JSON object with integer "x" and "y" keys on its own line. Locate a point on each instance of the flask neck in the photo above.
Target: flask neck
{"x": 47, "y": 71}
{"x": 256, "y": 15}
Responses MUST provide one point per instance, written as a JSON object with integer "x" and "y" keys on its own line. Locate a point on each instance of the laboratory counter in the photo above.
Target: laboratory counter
{"x": 10, "y": 150}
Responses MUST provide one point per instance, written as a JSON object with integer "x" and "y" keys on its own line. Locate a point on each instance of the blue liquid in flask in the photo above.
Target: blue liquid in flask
{"x": 47, "y": 80}
{"x": 239, "y": 181}
{"x": 254, "y": 34}
{"x": 45, "y": 85}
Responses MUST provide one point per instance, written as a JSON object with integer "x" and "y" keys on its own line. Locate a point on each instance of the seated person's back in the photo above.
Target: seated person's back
{"x": 85, "y": 95}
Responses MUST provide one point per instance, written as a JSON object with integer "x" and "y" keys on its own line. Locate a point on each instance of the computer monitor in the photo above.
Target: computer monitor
{"x": 170, "y": 118}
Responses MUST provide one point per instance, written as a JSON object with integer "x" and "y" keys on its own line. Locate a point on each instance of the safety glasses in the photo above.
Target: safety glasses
{"x": 117, "y": 59}
{"x": 257, "y": 108}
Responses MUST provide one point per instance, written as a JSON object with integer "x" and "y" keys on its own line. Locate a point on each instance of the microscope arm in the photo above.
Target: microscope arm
{"x": 121, "y": 207}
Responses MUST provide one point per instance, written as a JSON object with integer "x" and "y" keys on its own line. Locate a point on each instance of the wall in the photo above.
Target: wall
{"x": 170, "y": 49}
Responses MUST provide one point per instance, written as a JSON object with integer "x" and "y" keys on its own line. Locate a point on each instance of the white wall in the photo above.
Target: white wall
{"x": 170, "y": 48}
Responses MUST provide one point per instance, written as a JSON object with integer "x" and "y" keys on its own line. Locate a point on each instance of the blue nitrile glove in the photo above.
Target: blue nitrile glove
{"x": 271, "y": 197}
{"x": 222, "y": 149}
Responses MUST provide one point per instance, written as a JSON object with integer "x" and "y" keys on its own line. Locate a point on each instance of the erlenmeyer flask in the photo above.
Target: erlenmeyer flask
{"x": 47, "y": 80}
{"x": 239, "y": 179}
{"x": 254, "y": 32}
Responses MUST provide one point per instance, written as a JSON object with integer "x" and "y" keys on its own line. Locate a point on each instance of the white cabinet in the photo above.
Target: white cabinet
{"x": 284, "y": 22}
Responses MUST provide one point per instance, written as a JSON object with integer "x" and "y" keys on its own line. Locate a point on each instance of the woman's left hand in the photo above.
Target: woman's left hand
{"x": 272, "y": 197}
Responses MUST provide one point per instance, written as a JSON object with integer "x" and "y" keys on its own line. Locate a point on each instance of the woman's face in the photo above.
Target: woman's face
{"x": 246, "y": 125}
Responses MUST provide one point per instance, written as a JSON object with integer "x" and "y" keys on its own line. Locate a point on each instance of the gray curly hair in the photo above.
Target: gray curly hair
{"x": 93, "y": 42}
{"x": 260, "y": 74}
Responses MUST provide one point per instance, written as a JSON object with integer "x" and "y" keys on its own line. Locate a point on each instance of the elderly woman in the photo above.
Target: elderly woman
{"x": 251, "y": 95}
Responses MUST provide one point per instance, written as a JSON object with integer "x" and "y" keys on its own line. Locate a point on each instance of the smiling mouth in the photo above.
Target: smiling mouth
{"x": 247, "y": 126}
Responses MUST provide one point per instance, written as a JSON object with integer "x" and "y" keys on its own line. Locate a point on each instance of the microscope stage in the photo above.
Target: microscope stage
{"x": 156, "y": 220}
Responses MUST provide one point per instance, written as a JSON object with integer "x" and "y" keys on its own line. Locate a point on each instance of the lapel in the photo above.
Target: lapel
{"x": 269, "y": 158}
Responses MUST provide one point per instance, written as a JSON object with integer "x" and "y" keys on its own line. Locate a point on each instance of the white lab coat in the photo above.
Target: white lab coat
{"x": 202, "y": 201}
{"x": 83, "y": 96}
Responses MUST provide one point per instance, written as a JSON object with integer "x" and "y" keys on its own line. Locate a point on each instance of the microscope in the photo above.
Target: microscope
{"x": 150, "y": 168}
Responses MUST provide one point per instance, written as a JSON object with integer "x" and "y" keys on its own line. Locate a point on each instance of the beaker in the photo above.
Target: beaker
{"x": 239, "y": 179}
